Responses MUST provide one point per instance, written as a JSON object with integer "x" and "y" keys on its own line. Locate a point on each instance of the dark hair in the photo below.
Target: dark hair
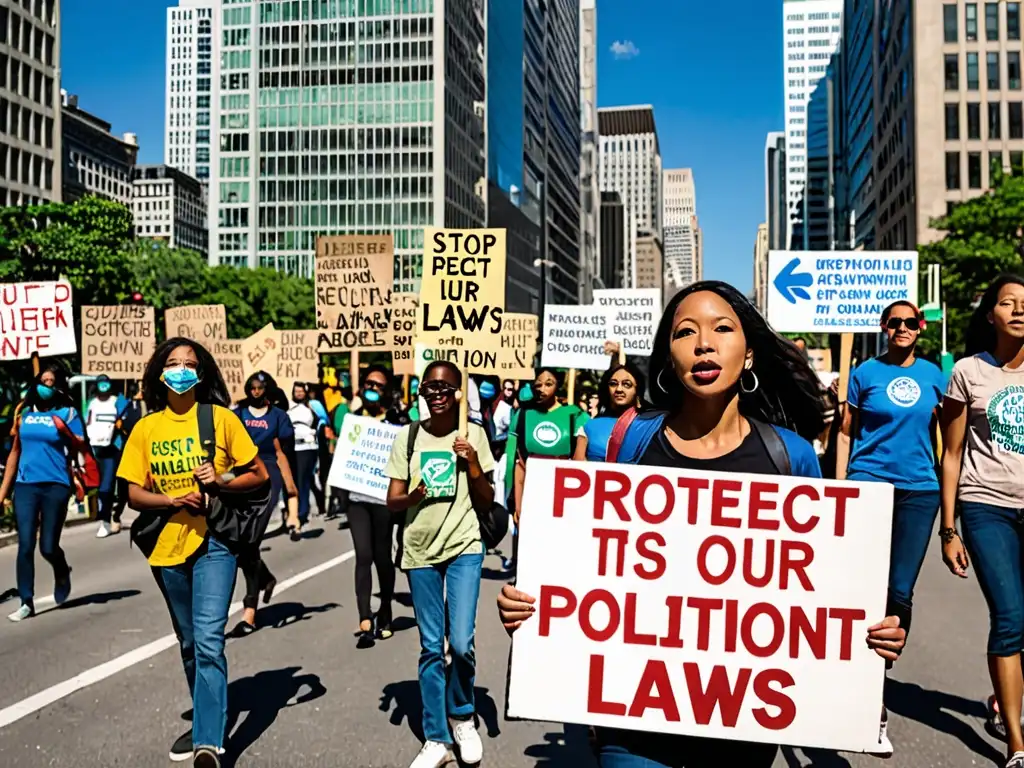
{"x": 383, "y": 371}
{"x": 981, "y": 334}
{"x": 604, "y": 397}
{"x": 62, "y": 392}
{"x": 559, "y": 375}
{"x": 901, "y": 303}
{"x": 210, "y": 389}
{"x": 789, "y": 392}
{"x": 449, "y": 365}
{"x": 275, "y": 396}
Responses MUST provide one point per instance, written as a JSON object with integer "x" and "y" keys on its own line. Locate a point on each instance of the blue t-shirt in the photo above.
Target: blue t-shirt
{"x": 44, "y": 455}
{"x": 893, "y": 443}
{"x": 598, "y": 432}
{"x": 264, "y": 429}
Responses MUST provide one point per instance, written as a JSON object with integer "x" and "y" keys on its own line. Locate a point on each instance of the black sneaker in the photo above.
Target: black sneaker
{"x": 206, "y": 757}
{"x": 366, "y": 640}
{"x": 181, "y": 750}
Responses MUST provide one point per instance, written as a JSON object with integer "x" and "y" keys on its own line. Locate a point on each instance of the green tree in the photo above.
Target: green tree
{"x": 984, "y": 238}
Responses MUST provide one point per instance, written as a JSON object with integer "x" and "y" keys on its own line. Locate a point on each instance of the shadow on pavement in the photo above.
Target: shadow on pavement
{"x": 254, "y": 704}
{"x": 818, "y": 758}
{"x": 279, "y": 615}
{"x": 404, "y": 702}
{"x": 932, "y": 708}
{"x": 99, "y": 598}
{"x": 567, "y": 749}
{"x": 10, "y": 594}
{"x": 312, "y": 533}
{"x": 402, "y": 598}
{"x": 496, "y": 574}
{"x": 402, "y": 623}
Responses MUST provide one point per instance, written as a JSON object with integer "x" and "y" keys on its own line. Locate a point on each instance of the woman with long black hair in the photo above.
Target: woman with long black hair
{"x": 729, "y": 395}
{"x": 621, "y": 389}
{"x": 270, "y": 429}
{"x": 170, "y": 476}
{"x": 982, "y": 468}
{"x": 48, "y": 432}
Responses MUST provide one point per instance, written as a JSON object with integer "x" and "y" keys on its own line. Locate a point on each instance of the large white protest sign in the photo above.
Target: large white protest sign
{"x": 633, "y": 315}
{"x": 837, "y": 291}
{"x": 361, "y": 455}
{"x": 709, "y": 604}
{"x": 574, "y": 337}
{"x": 35, "y": 318}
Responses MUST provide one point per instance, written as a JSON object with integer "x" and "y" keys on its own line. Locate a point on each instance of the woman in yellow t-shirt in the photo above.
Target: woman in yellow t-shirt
{"x": 168, "y": 475}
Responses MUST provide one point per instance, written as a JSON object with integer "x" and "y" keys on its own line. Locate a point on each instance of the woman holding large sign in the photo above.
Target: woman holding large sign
{"x": 727, "y": 391}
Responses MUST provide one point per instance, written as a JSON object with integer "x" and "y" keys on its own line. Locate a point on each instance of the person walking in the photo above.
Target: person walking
{"x": 440, "y": 481}
{"x": 101, "y": 427}
{"x": 307, "y": 426}
{"x": 170, "y": 481}
{"x": 48, "y": 434}
{"x": 620, "y": 390}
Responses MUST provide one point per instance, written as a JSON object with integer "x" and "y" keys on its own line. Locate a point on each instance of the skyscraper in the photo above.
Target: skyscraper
{"x": 776, "y": 209}
{"x": 590, "y": 189}
{"x": 30, "y": 103}
{"x": 630, "y": 164}
{"x": 682, "y": 231}
{"x": 811, "y": 30}
{"x": 191, "y": 85}
{"x": 338, "y": 116}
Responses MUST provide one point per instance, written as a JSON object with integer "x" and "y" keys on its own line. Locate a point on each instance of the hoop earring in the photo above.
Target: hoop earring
{"x": 752, "y": 389}
{"x": 657, "y": 380}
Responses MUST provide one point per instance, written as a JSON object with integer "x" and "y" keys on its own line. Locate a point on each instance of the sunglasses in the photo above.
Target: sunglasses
{"x": 371, "y": 384}
{"x": 437, "y": 389}
{"x": 912, "y": 323}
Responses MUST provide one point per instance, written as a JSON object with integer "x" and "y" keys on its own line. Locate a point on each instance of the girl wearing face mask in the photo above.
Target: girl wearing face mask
{"x": 307, "y": 426}
{"x": 48, "y": 431}
{"x": 726, "y": 392}
{"x": 169, "y": 476}
{"x": 270, "y": 429}
{"x": 619, "y": 392}
{"x": 100, "y": 425}
{"x": 982, "y": 468}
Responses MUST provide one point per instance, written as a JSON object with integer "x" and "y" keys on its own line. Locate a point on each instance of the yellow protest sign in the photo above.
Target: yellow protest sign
{"x": 260, "y": 352}
{"x": 117, "y": 340}
{"x": 403, "y": 328}
{"x": 228, "y": 354}
{"x": 298, "y": 360}
{"x": 354, "y": 276}
{"x": 203, "y": 323}
{"x": 510, "y": 356}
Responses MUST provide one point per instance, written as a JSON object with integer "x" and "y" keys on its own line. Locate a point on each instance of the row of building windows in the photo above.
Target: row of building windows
{"x": 1015, "y": 121}
{"x": 993, "y": 71}
{"x": 21, "y": 34}
{"x": 950, "y": 20}
{"x": 23, "y": 123}
{"x": 21, "y": 78}
{"x": 24, "y": 167}
{"x": 954, "y": 180}
{"x": 291, "y": 10}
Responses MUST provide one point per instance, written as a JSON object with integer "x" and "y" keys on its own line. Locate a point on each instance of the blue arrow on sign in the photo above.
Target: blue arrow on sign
{"x": 792, "y": 286}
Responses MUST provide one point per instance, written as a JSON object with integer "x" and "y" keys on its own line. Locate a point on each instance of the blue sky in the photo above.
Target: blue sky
{"x": 715, "y": 81}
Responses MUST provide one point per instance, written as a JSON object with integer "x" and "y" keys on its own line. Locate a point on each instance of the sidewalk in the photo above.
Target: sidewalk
{"x": 74, "y": 518}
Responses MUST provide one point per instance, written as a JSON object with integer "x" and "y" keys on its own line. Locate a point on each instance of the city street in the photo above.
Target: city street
{"x": 302, "y": 695}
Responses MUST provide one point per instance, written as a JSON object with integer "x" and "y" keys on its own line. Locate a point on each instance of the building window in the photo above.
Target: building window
{"x": 974, "y": 121}
{"x": 952, "y": 72}
{"x": 972, "y": 72}
{"x": 952, "y": 170}
{"x": 993, "y": 70}
{"x": 1013, "y": 70}
{"x": 949, "y": 19}
{"x": 971, "y": 22}
{"x": 1013, "y": 21}
{"x": 991, "y": 21}
{"x": 1016, "y": 116}
{"x": 952, "y": 122}
{"x": 974, "y": 170}
{"x": 1016, "y": 163}
{"x": 995, "y": 120}
{"x": 995, "y": 163}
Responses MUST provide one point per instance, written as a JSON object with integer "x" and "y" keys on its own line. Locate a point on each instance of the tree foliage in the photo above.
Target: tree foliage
{"x": 984, "y": 238}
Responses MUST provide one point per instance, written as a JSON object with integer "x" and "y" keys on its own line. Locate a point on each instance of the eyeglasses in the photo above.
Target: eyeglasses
{"x": 371, "y": 384}
{"x": 912, "y": 323}
{"x": 437, "y": 389}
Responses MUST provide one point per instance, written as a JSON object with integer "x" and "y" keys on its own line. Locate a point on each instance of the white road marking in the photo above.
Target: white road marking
{"x": 55, "y": 693}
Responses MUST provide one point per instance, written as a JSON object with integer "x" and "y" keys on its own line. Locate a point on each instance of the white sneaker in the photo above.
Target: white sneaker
{"x": 433, "y": 755}
{"x": 1016, "y": 760}
{"x": 884, "y": 750}
{"x": 103, "y": 531}
{"x": 471, "y": 749}
{"x": 21, "y": 614}
{"x": 115, "y": 528}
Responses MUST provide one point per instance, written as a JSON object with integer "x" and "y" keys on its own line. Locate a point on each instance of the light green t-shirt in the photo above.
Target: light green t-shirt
{"x": 444, "y": 526}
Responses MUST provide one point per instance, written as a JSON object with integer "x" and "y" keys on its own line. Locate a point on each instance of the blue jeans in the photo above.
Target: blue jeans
{"x": 40, "y": 508}
{"x": 993, "y": 539}
{"x": 107, "y": 458}
{"x": 305, "y": 469}
{"x": 198, "y": 594}
{"x": 452, "y": 698}
{"x": 913, "y": 520}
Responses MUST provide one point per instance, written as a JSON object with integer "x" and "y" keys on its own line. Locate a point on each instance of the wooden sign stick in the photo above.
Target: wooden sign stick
{"x": 571, "y": 399}
{"x": 845, "y": 359}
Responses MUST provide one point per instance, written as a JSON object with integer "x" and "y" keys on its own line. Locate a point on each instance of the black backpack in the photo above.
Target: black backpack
{"x": 493, "y": 522}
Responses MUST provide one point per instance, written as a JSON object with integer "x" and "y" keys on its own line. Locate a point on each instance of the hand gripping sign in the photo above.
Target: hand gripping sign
{"x": 718, "y": 605}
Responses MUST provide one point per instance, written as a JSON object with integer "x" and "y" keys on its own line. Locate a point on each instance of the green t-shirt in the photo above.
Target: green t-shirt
{"x": 444, "y": 526}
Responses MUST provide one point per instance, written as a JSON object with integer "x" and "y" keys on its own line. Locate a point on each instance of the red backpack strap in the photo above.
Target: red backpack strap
{"x": 622, "y": 425}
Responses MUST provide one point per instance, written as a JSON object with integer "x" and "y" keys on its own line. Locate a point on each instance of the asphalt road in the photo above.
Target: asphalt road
{"x": 303, "y": 696}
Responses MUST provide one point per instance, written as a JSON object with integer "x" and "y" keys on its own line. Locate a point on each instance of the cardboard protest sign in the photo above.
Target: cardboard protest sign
{"x": 203, "y": 323}
{"x": 403, "y": 329}
{"x": 261, "y": 351}
{"x": 510, "y": 356}
{"x": 298, "y": 360}
{"x": 354, "y": 276}
{"x": 462, "y": 294}
{"x": 574, "y": 337}
{"x": 117, "y": 340}
{"x": 361, "y": 455}
{"x": 228, "y": 354}
{"x": 633, "y": 315}
{"x": 717, "y": 605}
{"x": 36, "y": 318}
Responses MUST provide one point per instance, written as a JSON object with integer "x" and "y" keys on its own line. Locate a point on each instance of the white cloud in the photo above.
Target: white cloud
{"x": 624, "y": 49}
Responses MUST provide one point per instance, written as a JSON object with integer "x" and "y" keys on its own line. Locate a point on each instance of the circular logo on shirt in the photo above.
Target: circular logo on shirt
{"x": 1005, "y": 414}
{"x": 547, "y": 434}
{"x": 904, "y": 392}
